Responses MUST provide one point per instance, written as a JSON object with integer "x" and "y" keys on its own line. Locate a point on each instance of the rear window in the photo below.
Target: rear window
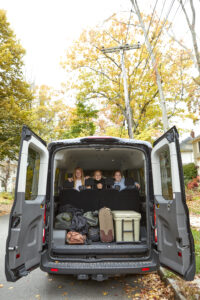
{"x": 32, "y": 175}
{"x": 166, "y": 177}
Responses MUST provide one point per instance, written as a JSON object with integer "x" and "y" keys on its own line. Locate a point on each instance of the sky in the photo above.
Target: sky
{"x": 46, "y": 28}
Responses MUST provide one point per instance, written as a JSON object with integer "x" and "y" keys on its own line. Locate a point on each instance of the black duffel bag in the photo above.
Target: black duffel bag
{"x": 93, "y": 234}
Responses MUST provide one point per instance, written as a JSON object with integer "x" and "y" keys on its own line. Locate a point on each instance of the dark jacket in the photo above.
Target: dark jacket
{"x": 102, "y": 181}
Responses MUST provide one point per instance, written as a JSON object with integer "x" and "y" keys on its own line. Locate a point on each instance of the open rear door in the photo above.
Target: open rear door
{"x": 24, "y": 241}
{"x": 175, "y": 241}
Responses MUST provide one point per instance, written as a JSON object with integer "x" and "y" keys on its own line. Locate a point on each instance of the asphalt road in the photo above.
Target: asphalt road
{"x": 39, "y": 285}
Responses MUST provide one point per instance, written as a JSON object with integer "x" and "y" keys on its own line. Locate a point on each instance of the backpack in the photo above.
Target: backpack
{"x": 73, "y": 237}
{"x": 92, "y": 218}
{"x": 63, "y": 220}
{"x": 93, "y": 234}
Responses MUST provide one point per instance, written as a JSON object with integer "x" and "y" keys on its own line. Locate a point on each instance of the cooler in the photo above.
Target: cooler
{"x": 127, "y": 225}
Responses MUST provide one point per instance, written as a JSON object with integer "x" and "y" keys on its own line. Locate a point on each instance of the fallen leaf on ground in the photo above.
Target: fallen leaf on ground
{"x": 59, "y": 286}
{"x": 105, "y": 293}
{"x": 64, "y": 294}
{"x": 10, "y": 288}
{"x": 1, "y": 285}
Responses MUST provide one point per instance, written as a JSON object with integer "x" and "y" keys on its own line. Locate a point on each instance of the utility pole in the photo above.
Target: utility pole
{"x": 153, "y": 60}
{"x": 122, "y": 49}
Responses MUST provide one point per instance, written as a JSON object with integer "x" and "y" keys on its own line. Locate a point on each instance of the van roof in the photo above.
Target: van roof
{"x": 100, "y": 139}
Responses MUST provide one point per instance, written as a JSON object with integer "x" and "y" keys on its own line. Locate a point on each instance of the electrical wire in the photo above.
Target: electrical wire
{"x": 128, "y": 26}
{"x": 157, "y": 38}
{"x": 148, "y": 31}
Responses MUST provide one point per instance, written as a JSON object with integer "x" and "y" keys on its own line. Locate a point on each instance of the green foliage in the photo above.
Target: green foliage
{"x": 189, "y": 171}
{"x": 15, "y": 94}
{"x": 196, "y": 236}
{"x": 82, "y": 121}
{"x": 6, "y": 198}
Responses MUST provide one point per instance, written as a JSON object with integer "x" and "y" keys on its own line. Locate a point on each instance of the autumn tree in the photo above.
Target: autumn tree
{"x": 15, "y": 93}
{"x": 98, "y": 75}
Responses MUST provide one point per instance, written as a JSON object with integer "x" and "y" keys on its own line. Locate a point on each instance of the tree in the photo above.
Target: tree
{"x": 98, "y": 76}
{"x": 15, "y": 93}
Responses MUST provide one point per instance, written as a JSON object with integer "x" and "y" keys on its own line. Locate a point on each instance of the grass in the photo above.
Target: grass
{"x": 196, "y": 236}
{"x": 193, "y": 201}
{"x": 6, "y": 198}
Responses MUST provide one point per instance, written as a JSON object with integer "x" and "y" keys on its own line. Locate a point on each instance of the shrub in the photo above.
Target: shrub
{"x": 189, "y": 171}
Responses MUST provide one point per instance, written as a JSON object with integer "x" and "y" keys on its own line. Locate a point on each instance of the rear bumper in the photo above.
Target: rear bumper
{"x": 103, "y": 267}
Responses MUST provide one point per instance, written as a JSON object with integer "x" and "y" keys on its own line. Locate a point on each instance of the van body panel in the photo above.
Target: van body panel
{"x": 99, "y": 267}
{"x": 25, "y": 249}
{"x": 175, "y": 241}
{"x": 24, "y": 242}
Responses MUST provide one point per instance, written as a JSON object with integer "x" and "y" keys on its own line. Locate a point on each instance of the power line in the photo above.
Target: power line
{"x": 157, "y": 38}
{"x": 128, "y": 26}
{"x": 147, "y": 32}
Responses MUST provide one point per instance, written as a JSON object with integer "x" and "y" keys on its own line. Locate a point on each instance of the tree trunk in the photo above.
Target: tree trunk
{"x": 153, "y": 60}
{"x": 191, "y": 26}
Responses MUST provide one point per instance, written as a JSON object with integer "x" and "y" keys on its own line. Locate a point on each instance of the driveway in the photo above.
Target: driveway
{"x": 39, "y": 285}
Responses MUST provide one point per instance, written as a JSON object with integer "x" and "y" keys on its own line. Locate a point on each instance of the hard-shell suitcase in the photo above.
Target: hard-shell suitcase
{"x": 106, "y": 225}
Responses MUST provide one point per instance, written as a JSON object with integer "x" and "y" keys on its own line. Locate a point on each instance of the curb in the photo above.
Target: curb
{"x": 169, "y": 281}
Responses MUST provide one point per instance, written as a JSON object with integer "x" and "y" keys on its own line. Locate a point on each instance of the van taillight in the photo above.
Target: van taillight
{"x": 54, "y": 270}
{"x": 155, "y": 230}
{"x": 145, "y": 269}
{"x": 43, "y": 238}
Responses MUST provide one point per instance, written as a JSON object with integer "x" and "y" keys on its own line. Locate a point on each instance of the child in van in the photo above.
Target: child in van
{"x": 78, "y": 178}
{"x": 120, "y": 181}
{"x": 99, "y": 182}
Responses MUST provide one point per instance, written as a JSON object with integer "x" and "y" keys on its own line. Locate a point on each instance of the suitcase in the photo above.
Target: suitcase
{"x": 106, "y": 225}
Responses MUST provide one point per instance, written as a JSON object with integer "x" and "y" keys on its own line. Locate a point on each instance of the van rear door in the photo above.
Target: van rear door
{"x": 24, "y": 241}
{"x": 175, "y": 241}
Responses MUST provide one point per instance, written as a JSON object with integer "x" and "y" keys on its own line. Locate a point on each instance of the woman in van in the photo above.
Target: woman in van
{"x": 120, "y": 181}
{"x": 99, "y": 182}
{"x": 78, "y": 178}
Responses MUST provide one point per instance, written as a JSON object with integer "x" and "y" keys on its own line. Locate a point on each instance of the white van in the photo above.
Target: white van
{"x": 34, "y": 241}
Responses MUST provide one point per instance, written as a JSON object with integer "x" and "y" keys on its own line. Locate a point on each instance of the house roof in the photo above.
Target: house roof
{"x": 186, "y": 144}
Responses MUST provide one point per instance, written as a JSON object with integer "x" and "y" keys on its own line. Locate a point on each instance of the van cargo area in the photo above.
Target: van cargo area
{"x": 133, "y": 163}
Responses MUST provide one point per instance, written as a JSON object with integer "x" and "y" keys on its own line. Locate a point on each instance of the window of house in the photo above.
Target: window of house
{"x": 166, "y": 177}
{"x": 199, "y": 146}
{"x": 32, "y": 175}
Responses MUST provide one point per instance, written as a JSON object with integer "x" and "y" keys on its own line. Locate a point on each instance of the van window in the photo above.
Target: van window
{"x": 32, "y": 175}
{"x": 166, "y": 177}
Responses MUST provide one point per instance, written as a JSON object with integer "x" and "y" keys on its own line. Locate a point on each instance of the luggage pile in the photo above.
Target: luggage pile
{"x": 81, "y": 227}
{"x": 94, "y": 226}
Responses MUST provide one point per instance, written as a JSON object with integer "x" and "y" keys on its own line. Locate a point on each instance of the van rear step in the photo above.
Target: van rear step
{"x": 100, "y": 248}
{"x": 105, "y": 268}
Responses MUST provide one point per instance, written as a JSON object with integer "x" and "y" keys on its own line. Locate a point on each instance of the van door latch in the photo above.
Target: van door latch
{"x": 13, "y": 248}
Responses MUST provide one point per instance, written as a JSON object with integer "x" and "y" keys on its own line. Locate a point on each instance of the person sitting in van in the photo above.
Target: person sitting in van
{"x": 120, "y": 181}
{"x": 99, "y": 182}
{"x": 78, "y": 178}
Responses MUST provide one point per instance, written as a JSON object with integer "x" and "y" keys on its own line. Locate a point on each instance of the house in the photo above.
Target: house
{"x": 196, "y": 149}
{"x": 186, "y": 148}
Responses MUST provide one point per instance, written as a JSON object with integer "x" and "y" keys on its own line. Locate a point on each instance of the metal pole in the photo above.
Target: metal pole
{"x": 126, "y": 96}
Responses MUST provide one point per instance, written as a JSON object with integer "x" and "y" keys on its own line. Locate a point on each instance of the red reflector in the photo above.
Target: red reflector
{"x": 54, "y": 270}
{"x": 145, "y": 269}
{"x": 18, "y": 255}
{"x": 179, "y": 254}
